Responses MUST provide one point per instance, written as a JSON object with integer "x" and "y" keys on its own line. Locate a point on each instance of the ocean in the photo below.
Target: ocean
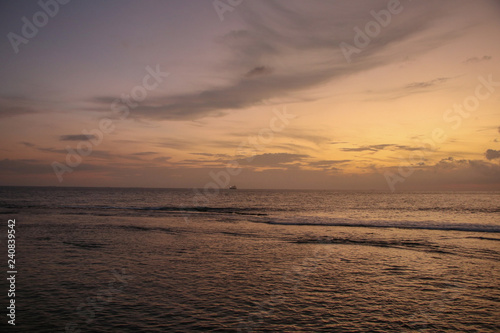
{"x": 180, "y": 260}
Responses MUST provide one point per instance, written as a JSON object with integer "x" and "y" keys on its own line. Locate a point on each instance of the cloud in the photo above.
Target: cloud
{"x": 418, "y": 87}
{"x": 100, "y": 154}
{"x": 45, "y": 149}
{"x": 146, "y": 153}
{"x": 451, "y": 173}
{"x": 210, "y": 155}
{"x": 162, "y": 159}
{"x": 178, "y": 144}
{"x": 77, "y": 137}
{"x": 308, "y": 136}
{"x": 492, "y": 154}
{"x": 12, "y": 111}
{"x": 292, "y": 147}
{"x": 328, "y": 163}
{"x": 408, "y": 148}
{"x": 427, "y": 84}
{"x": 299, "y": 41}
{"x": 474, "y": 60}
{"x": 297, "y": 138}
{"x": 257, "y": 71}
{"x": 24, "y": 166}
{"x": 367, "y": 148}
{"x": 450, "y": 163}
{"x": 271, "y": 159}
{"x": 203, "y": 154}
{"x": 376, "y": 148}
{"x": 11, "y": 106}
{"x": 486, "y": 169}
{"x": 28, "y": 144}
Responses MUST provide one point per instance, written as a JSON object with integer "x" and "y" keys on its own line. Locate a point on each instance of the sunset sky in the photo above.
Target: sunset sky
{"x": 263, "y": 94}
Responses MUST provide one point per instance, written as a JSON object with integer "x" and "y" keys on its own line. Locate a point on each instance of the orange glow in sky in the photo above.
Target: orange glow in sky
{"x": 387, "y": 95}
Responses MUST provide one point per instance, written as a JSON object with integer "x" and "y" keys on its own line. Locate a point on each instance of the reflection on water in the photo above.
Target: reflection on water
{"x": 98, "y": 261}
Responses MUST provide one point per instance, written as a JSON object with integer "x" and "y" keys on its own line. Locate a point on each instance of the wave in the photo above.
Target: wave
{"x": 420, "y": 245}
{"x": 144, "y": 228}
{"x": 201, "y": 209}
{"x": 88, "y": 209}
{"x": 84, "y": 245}
{"x": 458, "y": 209}
{"x": 242, "y": 210}
{"x": 401, "y": 224}
{"x": 407, "y": 244}
{"x": 486, "y": 238}
{"x": 266, "y": 215}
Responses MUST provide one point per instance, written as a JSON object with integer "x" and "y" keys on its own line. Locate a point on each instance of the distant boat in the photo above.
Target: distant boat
{"x": 233, "y": 187}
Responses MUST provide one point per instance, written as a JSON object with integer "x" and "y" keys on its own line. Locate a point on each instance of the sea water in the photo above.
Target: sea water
{"x": 162, "y": 260}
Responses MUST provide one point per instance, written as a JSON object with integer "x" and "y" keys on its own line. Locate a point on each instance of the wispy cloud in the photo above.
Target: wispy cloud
{"x": 24, "y": 166}
{"x": 328, "y": 163}
{"x": 146, "y": 153}
{"x": 162, "y": 159}
{"x": 99, "y": 154}
{"x": 272, "y": 159}
{"x": 211, "y": 155}
{"x": 257, "y": 71}
{"x": 418, "y": 87}
{"x": 474, "y": 60}
{"x": 11, "y": 106}
{"x": 427, "y": 84}
{"x": 27, "y": 144}
{"x": 175, "y": 143}
{"x": 77, "y": 137}
{"x": 375, "y": 148}
{"x": 290, "y": 28}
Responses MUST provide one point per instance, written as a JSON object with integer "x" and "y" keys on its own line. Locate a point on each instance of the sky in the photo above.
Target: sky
{"x": 347, "y": 95}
